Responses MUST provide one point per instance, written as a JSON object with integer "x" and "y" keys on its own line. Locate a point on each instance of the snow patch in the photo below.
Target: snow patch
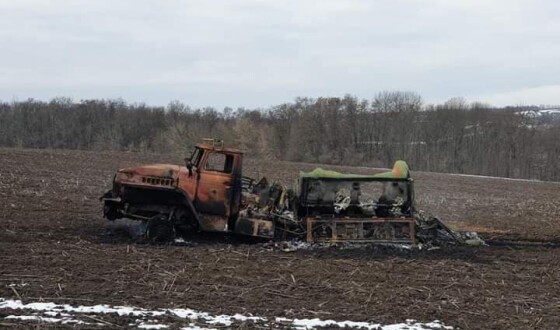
{"x": 17, "y": 285}
{"x": 192, "y": 326}
{"x": 152, "y": 326}
{"x": 318, "y": 323}
{"x": 65, "y": 313}
{"x": 64, "y": 320}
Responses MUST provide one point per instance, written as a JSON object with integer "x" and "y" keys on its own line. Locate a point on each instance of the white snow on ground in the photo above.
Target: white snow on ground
{"x": 18, "y": 285}
{"x": 64, "y": 313}
{"x": 63, "y": 320}
{"x": 152, "y": 326}
{"x": 538, "y": 113}
{"x": 317, "y": 323}
{"x": 192, "y": 326}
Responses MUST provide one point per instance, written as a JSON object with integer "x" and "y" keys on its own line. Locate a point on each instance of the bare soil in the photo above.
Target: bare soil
{"x": 53, "y": 237}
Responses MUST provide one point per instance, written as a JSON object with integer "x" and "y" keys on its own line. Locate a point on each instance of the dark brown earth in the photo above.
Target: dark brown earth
{"x": 52, "y": 237}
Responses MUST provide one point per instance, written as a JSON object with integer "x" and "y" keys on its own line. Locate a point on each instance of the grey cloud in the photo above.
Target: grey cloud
{"x": 259, "y": 53}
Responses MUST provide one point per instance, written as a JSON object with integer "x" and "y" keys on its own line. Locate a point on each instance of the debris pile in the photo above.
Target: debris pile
{"x": 431, "y": 230}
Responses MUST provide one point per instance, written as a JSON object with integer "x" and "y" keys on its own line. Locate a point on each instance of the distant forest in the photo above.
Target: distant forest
{"x": 453, "y": 137}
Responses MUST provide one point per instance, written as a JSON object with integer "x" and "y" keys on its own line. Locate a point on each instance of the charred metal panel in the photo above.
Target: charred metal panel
{"x": 391, "y": 230}
{"x": 188, "y": 182}
{"x": 254, "y": 227}
{"x": 319, "y": 195}
{"x": 212, "y": 195}
{"x": 217, "y": 189}
{"x": 213, "y": 223}
{"x": 154, "y": 175}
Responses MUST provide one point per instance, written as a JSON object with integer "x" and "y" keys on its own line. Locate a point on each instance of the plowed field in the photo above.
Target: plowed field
{"x": 55, "y": 247}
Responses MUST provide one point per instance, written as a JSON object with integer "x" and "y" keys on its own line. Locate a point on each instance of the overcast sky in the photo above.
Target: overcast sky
{"x": 261, "y": 53}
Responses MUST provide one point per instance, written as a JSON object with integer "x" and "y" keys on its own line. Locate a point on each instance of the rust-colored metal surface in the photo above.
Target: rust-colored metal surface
{"x": 209, "y": 186}
{"x": 161, "y": 175}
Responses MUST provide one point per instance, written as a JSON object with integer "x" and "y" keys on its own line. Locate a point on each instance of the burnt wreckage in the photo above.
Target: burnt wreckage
{"x": 211, "y": 194}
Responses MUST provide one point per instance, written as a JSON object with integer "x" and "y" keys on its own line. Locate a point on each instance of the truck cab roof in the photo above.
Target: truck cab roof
{"x": 220, "y": 148}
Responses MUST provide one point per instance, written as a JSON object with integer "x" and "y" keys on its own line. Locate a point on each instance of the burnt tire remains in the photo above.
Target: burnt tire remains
{"x": 159, "y": 230}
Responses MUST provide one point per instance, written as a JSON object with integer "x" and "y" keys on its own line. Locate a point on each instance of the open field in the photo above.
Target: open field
{"x": 54, "y": 248}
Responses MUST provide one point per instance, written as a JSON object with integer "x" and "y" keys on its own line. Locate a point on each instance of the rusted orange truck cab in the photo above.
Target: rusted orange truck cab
{"x": 203, "y": 195}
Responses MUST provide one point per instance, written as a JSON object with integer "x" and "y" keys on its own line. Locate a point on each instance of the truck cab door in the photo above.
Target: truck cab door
{"x": 214, "y": 190}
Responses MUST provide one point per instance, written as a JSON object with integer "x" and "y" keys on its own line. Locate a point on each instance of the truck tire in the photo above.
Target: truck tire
{"x": 110, "y": 212}
{"x": 159, "y": 230}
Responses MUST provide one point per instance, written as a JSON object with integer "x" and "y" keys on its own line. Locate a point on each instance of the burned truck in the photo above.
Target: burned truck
{"x": 210, "y": 194}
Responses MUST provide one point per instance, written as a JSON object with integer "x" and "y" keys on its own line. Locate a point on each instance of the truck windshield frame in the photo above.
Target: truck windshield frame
{"x": 196, "y": 157}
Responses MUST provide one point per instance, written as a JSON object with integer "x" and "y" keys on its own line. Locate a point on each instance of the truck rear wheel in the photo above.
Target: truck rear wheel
{"x": 159, "y": 230}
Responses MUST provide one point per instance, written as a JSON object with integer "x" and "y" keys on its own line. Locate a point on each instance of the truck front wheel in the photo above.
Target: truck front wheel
{"x": 159, "y": 230}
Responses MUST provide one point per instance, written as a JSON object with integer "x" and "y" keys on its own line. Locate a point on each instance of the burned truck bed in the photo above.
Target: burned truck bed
{"x": 358, "y": 208}
{"x": 328, "y": 206}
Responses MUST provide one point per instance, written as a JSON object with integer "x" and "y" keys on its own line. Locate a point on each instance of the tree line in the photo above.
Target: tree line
{"x": 451, "y": 137}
